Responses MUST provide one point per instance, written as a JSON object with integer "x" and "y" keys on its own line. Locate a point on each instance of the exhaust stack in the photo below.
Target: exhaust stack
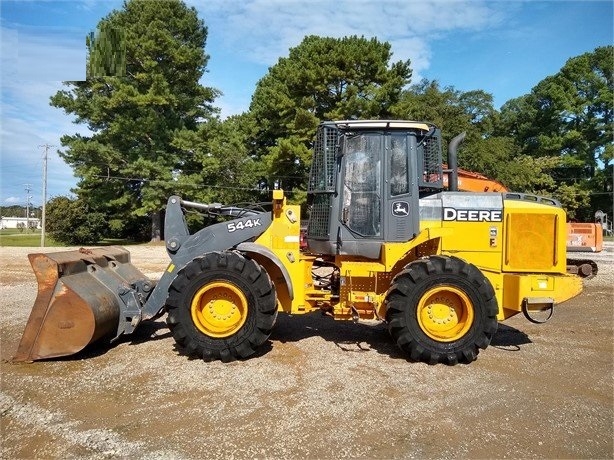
{"x": 453, "y": 162}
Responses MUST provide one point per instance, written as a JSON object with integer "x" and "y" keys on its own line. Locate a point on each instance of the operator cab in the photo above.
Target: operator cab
{"x": 365, "y": 183}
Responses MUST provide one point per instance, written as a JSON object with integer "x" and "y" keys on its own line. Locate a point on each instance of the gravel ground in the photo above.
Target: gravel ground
{"x": 318, "y": 389}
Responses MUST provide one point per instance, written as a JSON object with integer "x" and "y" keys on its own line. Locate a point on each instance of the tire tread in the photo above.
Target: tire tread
{"x": 406, "y": 287}
{"x": 245, "y": 341}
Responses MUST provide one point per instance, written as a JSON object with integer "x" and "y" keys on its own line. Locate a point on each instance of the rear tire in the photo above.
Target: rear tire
{"x": 221, "y": 306}
{"x": 441, "y": 310}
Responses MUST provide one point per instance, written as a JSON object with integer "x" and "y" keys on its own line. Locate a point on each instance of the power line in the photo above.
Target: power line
{"x": 183, "y": 184}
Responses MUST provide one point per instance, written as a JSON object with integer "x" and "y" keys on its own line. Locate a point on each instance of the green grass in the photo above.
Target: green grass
{"x": 13, "y": 237}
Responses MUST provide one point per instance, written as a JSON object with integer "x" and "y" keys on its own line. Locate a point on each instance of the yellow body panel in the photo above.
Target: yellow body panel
{"x": 283, "y": 239}
{"x": 518, "y": 288}
{"x": 523, "y": 257}
{"x": 535, "y": 238}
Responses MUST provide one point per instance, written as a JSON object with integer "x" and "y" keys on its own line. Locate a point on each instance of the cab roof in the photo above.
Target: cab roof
{"x": 381, "y": 124}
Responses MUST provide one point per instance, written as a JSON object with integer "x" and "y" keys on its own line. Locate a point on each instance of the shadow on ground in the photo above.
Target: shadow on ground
{"x": 350, "y": 337}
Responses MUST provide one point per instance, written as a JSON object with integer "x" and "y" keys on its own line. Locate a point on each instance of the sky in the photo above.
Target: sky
{"x": 502, "y": 47}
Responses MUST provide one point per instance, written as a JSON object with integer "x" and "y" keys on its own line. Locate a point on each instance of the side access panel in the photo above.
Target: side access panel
{"x": 534, "y": 238}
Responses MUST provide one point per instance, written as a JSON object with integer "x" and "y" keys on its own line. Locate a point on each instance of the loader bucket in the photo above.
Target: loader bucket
{"x": 77, "y": 302}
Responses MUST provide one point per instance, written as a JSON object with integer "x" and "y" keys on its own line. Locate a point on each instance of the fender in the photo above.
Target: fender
{"x": 266, "y": 252}
{"x": 183, "y": 248}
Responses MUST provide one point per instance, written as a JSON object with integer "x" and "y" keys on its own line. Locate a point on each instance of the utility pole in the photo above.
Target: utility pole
{"x": 43, "y": 214}
{"x": 28, "y": 196}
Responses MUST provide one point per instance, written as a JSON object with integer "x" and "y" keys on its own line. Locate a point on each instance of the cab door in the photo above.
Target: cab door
{"x": 361, "y": 210}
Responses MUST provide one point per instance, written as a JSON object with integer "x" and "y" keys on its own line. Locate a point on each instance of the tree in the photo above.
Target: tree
{"x": 18, "y": 210}
{"x": 570, "y": 116}
{"x": 71, "y": 221}
{"x": 130, "y": 163}
{"x": 427, "y": 101}
{"x": 321, "y": 79}
{"x": 107, "y": 52}
{"x": 219, "y": 167}
{"x": 449, "y": 109}
{"x": 454, "y": 112}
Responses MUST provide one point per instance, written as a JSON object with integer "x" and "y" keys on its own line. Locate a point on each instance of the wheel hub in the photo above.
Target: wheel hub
{"x": 445, "y": 313}
{"x": 219, "y": 309}
{"x": 442, "y": 311}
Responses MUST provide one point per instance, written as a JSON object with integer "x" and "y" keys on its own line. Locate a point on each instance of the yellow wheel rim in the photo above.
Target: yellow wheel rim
{"x": 219, "y": 309}
{"x": 445, "y": 313}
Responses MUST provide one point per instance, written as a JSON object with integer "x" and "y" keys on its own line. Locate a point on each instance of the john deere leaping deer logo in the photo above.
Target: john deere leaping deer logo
{"x": 400, "y": 208}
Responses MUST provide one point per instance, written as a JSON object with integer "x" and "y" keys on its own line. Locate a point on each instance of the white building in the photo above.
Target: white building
{"x": 17, "y": 222}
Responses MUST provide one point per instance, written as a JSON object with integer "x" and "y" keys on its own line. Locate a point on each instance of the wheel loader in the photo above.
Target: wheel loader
{"x": 384, "y": 242}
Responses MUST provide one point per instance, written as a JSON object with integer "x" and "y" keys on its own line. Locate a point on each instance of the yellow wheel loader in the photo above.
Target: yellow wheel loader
{"x": 384, "y": 241}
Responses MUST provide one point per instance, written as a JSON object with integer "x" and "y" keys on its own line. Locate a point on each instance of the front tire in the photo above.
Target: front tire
{"x": 441, "y": 310}
{"x": 221, "y": 306}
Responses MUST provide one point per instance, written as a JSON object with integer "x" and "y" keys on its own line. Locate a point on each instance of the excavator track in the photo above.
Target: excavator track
{"x": 584, "y": 268}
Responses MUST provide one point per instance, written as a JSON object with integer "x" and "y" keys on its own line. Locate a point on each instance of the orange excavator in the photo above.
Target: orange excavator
{"x": 469, "y": 181}
{"x": 581, "y": 236}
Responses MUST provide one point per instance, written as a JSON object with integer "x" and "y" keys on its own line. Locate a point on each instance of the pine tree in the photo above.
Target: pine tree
{"x": 129, "y": 165}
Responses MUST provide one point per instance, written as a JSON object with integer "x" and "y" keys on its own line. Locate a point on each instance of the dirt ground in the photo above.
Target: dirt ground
{"x": 318, "y": 389}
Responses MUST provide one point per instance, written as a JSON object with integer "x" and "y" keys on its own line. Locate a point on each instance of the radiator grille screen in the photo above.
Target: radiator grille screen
{"x": 530, "y": 241}
{"x": 318, "y": 227}
{"x": 322, "y": 177}
{"x": 432, "y": 175}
